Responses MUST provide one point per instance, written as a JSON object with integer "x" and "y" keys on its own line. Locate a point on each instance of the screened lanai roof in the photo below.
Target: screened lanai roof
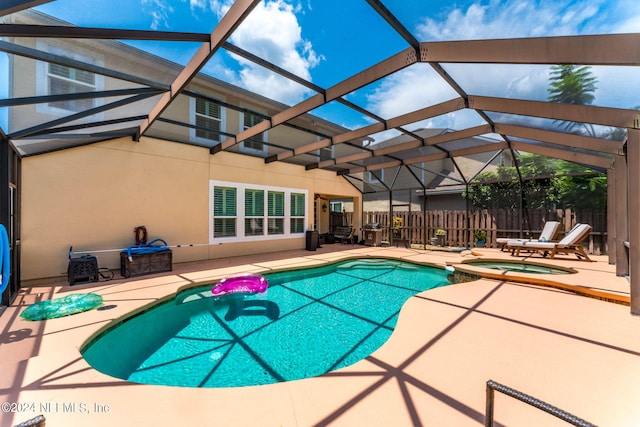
{"x": 404, "y": 84}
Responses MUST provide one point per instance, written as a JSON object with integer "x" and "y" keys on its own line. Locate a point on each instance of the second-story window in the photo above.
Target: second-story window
{"x": 208, "y": 119}
{"x": 60, "y": 79}
{"x": 256, "y": 144}
{"x": 65, "y": 80}
{"x": 325, "y": 153}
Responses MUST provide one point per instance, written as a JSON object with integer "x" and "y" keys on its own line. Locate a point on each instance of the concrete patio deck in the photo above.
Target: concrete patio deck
{"x": 580, "y": 354}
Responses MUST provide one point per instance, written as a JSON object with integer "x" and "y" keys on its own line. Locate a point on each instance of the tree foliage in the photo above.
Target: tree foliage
{"x": 553, "y": 188}
{"x": 572, "y": 84}
{"x": 559, "y": 184}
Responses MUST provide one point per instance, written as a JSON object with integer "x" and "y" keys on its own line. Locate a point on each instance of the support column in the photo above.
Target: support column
{"x": 622, "y": 216}
{"x": 4, "y": 200}
{"x": 4, "y": 180}
{"x": 611, "y": 215}
{"x": 633, "y": 166}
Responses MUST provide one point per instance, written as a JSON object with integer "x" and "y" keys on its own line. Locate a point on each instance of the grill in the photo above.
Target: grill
{"x": 372, "y": 234}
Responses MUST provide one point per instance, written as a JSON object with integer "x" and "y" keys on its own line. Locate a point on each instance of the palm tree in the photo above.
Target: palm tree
{"x": 573, "y": 84}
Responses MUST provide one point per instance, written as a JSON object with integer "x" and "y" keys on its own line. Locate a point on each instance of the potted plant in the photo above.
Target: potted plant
{"x": 481, "y": 237}
{"x": 396, "y": 226}
{"x": 440, "y": 234}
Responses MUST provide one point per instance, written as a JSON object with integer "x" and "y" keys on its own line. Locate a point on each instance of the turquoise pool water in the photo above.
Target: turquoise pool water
{"x": 308, "y": 323}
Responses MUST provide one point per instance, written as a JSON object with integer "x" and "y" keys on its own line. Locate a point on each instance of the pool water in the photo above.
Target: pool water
{"x": 308, "y": 323}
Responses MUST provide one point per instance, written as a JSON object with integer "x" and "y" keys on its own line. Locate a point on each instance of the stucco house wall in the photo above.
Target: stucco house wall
{"x": 93, "y": 197}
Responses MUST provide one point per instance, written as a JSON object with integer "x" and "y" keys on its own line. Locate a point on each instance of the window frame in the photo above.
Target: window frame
{"x": 247, "y": 149}
{"x": 225, "y": 216}
{"x": 274, "y": 214}
{"x": 192, "y": 120}
{"x": 336, "y": 206}
{"x": 43, "y": 87}
{"x": 241, "y": 235}
{"x": 258, "y": 218}
{"x": 293, "y": 215}
{"x": 325, "y": 153}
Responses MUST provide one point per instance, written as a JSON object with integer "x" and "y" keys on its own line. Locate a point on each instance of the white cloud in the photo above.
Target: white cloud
{"x": 408, "y": 90}
{"x": 271, "y": 31}
{"x": 160, "y": 11}
{"x": 196, "y": 5}
{"x": 511, "y": 18}
{"x": 630, "y": 10}
{"x": 279, "y": 41}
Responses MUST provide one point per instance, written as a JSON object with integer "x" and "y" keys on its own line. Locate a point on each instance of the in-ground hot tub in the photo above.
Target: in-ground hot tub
{"x": 519, "y": 266}
{"x": 532, "y": 273}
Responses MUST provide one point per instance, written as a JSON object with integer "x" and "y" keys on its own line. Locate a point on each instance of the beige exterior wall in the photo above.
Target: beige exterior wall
{"x": 93, "y": 197}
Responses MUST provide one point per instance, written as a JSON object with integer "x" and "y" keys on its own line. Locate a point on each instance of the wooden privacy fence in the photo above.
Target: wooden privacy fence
{"x": 420, "y": 227}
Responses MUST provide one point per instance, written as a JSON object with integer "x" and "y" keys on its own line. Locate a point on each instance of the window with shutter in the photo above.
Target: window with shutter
{"x": 224, "y": 212}
{"x": 208, "y": 120}
{"x": 63, "y": 80}
{"x": 276, "y": 212}
{"x": 297, "y": 213}
{"x": 248, "y": 212}
{"x": 253, "y": 212}
{"x": 255, "y": 144}
{"x": 325, "y": 153}
{"x": 58, "y": 79}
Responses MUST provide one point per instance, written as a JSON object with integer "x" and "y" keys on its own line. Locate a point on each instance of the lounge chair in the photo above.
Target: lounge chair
{"x": 548, "y": 234}
{"x": 571, "y": 243}
{"x": 344, "y": 234}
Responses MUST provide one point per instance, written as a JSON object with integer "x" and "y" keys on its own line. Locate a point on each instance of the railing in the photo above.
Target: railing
{"x": 559, "y": 413}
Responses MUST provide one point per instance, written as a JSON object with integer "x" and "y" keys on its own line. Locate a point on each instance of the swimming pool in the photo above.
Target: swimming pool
{"x": 309, "y": 322}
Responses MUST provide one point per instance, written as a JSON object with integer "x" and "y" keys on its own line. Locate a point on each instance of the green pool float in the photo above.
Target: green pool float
{"x": 59, "y": 307}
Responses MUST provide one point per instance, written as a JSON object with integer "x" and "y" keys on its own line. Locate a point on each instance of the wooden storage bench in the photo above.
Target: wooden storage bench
{"x": 145, "y": 263}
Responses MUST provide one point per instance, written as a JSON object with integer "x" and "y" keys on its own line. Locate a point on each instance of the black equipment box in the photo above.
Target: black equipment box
{"x": 83, "y": 269}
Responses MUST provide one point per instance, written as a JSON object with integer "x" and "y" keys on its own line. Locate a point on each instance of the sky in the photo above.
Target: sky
{"x": 326, "y": 41}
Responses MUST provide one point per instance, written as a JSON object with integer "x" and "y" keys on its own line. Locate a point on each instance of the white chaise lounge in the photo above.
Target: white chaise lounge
{"x": 548, "y": 234}
{"x": 571, "y": 243}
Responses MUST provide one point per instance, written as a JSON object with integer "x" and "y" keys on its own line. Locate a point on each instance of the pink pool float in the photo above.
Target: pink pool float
{"x": 246, "y": 283}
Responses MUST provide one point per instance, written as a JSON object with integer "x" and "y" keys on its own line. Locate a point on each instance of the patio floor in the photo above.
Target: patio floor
{"x": 577, "y": 353}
